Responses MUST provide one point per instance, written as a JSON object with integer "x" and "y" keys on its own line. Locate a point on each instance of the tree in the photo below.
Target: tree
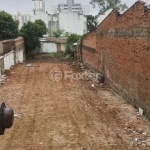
{"x": 42, "y": 24}
{"x": 66, "y": 34}
{"x": 31, "y": 32}
{"x": 72, "y": 38}
{"x": 91, "y": 23}
{"x": 8, "y": 27}
{"x": 105, "y": 5}
{"x": 58, "y": 33}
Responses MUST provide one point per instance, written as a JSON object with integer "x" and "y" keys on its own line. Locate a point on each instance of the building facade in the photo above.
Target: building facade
{"x": 22, "y": 18}
{"x": 38, "y": 6}
{"x": 51, "y": 21}
{"x": 71, "y": 7}
{"x": 73, "y": 22}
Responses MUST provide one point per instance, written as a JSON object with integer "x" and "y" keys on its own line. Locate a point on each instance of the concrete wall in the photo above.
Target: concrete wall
{"x": 63, "y": 47}
{"x": 48, "y": 47}
{"x": 1, "y": 48}
{"x": 51, "y": 47}
{"x": 19, "y": 51}
{"x": 9, "y": 52}
{"x": 2, "y": 70}
{"x": 122, "y": 54}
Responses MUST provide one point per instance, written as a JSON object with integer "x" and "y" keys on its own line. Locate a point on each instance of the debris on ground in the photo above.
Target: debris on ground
{"x": 32, "y": 65}
{"x": 68, "y": 114}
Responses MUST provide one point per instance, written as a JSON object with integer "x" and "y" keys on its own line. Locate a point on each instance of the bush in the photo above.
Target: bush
{"x": 69, "y": 50}
{"x": 59, "y": 54}
{"x": 58, "y": 33}
{"x": 72, "y": 38}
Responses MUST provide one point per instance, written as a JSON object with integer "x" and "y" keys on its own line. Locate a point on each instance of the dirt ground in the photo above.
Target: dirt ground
{"x": 69, "y": 114}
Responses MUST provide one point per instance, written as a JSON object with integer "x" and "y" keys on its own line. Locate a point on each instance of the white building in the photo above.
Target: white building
{"x": 86, "y": 10}
{"x": 22, "y": 18}
{"x": 101, "y": 17}
{"x": 71, "y": 6}
{"x": 73, "y": 22}
{"x": 38, "y": 6}
{"x": 51, "y": 21}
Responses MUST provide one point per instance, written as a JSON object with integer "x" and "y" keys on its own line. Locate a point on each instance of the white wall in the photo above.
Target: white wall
{"x": 9, "y": 60}
{"x": 19, "y": 56}
{"x": 48, "y": 47}
{"x": 71, "y": 22}
{"x": 63, "y": 47}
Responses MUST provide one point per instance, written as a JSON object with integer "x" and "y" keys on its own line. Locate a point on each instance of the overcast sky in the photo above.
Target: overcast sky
{"x": 25, "y": 6}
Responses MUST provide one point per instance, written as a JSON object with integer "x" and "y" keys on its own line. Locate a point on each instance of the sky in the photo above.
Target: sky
{"x": 25, "y": 6}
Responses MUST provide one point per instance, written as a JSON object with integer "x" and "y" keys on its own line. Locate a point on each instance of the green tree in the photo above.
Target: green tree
{"x": 66, "y": 34}
{"x": 91, "y": 23}
{"x": 42, "y": 24}
{"x": 72, "y": 38}
{"x": 8, "y": 27}
{"x": 31, "y": 32}
{"x": 58, "y": 33}
{"x": 105, "y": 5}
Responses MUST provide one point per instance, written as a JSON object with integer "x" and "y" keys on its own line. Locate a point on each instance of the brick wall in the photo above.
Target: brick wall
{"x": 122, "y": 54}
{"x": 89, "y": 49}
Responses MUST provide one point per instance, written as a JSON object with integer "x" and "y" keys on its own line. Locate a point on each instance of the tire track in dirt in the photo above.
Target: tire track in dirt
{"x": 10, "y": 136}
{"x": 59, "y": 115}
{"x": 18, "y": 128}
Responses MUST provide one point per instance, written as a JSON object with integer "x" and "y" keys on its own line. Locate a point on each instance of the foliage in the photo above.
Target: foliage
{"x": 8, "y": 27}
{"x": 69, "y": 50}
{"x": 59, "y": 54}
{"x": 43, "y": 25}
{"x": 91, "y": 23}
{"x": 73, "y": 38}
{"x": 58, "y": 33}
{"x": 105, "y": 5}
{"x": 31, "y": 32}
{"x": 66, "y": 34}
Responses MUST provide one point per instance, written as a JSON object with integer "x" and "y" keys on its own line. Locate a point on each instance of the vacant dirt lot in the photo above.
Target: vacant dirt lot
{"x": 67, "y": 115}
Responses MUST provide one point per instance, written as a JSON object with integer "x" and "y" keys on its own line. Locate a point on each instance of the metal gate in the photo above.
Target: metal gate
{"x": 8, "y": 60}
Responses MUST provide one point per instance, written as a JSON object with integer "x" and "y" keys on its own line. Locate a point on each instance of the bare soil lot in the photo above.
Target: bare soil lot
{"x": 67, "y": 115}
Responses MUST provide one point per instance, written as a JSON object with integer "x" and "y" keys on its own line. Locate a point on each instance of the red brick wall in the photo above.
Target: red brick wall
{"x": 90, "y": 41}
{"x": 127, "y": 58}
{"x": 110, "y": 20}
{"x": 131, "y": 17}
